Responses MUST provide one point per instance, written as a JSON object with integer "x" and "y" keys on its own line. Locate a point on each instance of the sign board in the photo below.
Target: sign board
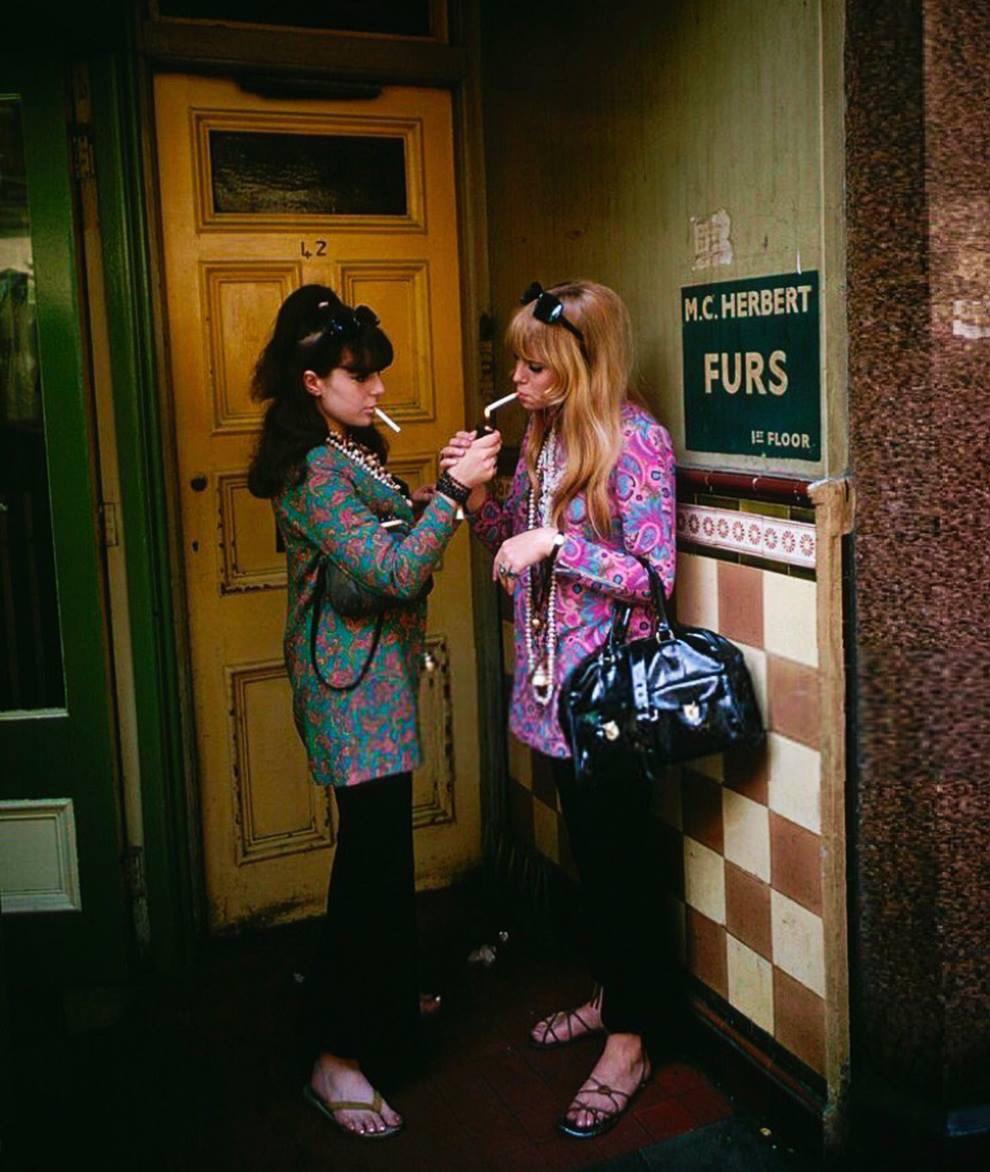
{"x": 752, "y": 367}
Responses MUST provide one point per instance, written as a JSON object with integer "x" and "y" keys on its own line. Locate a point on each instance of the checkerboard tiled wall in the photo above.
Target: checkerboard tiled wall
{"x": 742, "y": 834}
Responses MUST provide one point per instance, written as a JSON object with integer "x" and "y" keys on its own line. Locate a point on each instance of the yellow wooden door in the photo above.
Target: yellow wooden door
{"x": 258, "y": 197}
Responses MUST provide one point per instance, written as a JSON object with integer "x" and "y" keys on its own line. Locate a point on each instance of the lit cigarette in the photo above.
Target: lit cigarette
{"x": 391, "y": 524}
{"x": 498, "y": 403}
{"x": 386, "y": 420}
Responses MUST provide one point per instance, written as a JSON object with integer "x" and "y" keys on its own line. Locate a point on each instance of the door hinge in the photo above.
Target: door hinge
{"x": 108, "y": 525}
{"x": 83, "y": 155}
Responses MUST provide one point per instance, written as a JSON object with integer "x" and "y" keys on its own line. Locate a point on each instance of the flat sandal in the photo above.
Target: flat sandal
{"x": 551, "y": 1039}
{"x": 604, "y": 1120}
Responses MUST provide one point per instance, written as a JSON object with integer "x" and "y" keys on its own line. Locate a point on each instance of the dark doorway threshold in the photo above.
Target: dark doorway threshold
{"x": 206, "y": 1075}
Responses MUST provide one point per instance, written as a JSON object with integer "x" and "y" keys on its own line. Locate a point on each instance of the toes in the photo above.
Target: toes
{"x": 581, "y": 1118}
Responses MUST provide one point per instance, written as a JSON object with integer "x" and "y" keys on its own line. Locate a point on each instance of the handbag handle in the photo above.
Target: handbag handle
{"x": 321, "y": 586}
{"x": 664, "y": 630}
{"x": 622, "y": 611}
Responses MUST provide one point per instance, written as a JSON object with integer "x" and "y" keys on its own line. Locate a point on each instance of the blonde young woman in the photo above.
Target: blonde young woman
{"x": 593, "y": 493}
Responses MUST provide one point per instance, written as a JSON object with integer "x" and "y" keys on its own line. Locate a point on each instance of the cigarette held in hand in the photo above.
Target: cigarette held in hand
{"x": 498, "y": 403}
{"x": 386, "y": 420}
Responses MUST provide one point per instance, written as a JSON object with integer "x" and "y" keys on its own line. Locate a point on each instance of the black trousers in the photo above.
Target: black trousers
{"x": 361, "y": 996}
{"x": 616, "y": 848}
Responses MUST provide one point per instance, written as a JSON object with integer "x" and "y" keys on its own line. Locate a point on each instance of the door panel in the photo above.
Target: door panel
{"x": 61, "y": 845}
{"x": 259, "y": 197}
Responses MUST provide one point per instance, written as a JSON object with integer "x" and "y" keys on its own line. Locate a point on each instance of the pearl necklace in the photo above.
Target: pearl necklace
{"x": 541, "y": 632}
{"x": 366, "y": 459}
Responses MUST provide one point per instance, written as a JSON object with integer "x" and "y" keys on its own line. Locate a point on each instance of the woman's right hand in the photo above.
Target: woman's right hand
{"x": 455, "y": 448}
{"x": 475, "y": 465}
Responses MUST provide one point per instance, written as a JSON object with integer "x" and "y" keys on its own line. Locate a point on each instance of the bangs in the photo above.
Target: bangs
{"x": 528, "y": 337}
{"x": 369, "y": 353}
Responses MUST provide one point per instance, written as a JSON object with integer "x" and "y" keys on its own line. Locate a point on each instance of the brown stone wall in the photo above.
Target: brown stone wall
{"x": 957, "y": 137}
{"x": 917, "y": 93}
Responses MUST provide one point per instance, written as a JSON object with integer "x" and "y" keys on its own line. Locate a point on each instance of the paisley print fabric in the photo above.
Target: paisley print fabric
{"x": 336, "y": 512}
{"x": 592, "y": 571}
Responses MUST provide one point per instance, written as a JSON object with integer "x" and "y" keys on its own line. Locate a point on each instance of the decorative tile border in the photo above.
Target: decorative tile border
{"x": 777, "y": 540}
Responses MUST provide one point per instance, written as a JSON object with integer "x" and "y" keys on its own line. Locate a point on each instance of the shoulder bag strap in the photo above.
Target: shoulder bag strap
{"x": 321, "y": 586}
{"x": 665, "y": 631}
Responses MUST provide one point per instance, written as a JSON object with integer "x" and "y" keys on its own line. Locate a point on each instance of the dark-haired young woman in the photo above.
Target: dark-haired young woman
{"x": 322, "y": 463}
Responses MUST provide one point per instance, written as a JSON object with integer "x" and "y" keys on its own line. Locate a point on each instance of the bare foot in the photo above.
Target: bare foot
{"x": 620, "y": 1071}
{"x": 568, "y": 1025}
{"x": 336, "y": 1080}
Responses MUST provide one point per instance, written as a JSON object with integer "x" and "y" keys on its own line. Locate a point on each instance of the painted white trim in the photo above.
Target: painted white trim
{"x": 794, "y": 543}
{"x": 33, "y": 713}
{"x": 53, "y": 887}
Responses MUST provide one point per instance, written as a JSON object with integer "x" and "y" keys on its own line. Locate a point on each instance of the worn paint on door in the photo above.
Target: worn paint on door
{"x": 257, "y": 198}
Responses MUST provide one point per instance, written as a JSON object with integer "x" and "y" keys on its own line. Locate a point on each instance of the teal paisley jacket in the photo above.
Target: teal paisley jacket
{"x": 370, "y": 732}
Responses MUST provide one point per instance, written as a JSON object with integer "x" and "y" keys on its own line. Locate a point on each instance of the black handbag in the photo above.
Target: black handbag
{"x": 684, "y": 692}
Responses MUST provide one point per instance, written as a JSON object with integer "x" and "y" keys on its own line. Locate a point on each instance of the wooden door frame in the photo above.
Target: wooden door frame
{"x": 173, "y": 830}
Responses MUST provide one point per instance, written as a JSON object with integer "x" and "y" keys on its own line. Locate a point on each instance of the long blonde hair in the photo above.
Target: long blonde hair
{"x": 591, "y": 382}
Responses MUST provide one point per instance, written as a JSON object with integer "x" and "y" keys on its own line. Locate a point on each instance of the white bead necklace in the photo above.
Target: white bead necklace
{"x": 541, "y": 632}
{"x": 364, "y": 458}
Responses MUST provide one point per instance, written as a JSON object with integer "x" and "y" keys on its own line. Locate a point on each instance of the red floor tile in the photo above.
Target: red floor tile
{"x": 666, "y": 1119}
{"x": 518, "y": 1085}
{"x": 705, "y": 1105}
{"x": 677, "y": 1078}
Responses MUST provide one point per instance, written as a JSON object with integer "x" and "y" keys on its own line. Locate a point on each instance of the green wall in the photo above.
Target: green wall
{"x": 608, "y": 127}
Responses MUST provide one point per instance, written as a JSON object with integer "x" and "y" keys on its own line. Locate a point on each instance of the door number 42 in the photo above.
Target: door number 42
{"x": 308, "y": 248}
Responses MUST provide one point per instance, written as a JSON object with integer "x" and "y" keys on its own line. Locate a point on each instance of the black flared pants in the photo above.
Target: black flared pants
{"x": 615, "y": 846}
{"x": 361, "y": 994}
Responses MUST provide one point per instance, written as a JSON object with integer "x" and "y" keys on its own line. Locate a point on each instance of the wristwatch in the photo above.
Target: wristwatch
{"x": 558, "y": 541}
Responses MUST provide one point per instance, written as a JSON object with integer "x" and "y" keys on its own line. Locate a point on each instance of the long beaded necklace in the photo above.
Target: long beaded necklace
{"x": 541, "y": 630}
{"x": 364, "y": 458}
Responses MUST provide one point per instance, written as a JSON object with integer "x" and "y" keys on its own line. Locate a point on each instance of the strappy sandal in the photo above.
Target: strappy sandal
{"x": 564, "y": 1017}
{"x": 558, "y": 1021}
{"x": 603, "y": 1119}
{"x": 329, "y": 1109}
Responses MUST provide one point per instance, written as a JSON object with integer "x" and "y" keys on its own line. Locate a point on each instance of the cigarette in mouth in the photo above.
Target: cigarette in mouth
{"x": 498, "y": 403}
{"x": 386, "y": 420}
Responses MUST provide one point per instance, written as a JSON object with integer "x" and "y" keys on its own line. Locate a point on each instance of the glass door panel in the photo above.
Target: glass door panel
{"x": 31, "y": 675}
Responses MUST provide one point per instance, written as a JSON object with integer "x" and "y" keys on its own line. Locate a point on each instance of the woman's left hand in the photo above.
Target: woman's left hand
{"x": 520, "y": 552}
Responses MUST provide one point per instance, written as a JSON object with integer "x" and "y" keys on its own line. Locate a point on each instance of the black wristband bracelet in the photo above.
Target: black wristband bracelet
{"x": 453, "y": 488}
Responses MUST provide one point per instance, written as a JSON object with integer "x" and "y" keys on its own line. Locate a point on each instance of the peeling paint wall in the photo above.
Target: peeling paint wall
{"x": 657, "y": 146}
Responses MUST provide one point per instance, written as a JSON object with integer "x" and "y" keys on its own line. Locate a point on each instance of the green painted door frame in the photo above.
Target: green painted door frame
{"x": 97, "y": 944}
{"x": 70, "y": 752}
{"x": 166, "y": 868}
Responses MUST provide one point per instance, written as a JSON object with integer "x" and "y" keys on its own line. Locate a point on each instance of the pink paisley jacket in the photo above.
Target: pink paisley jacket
{"x": 592, "y": 571}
